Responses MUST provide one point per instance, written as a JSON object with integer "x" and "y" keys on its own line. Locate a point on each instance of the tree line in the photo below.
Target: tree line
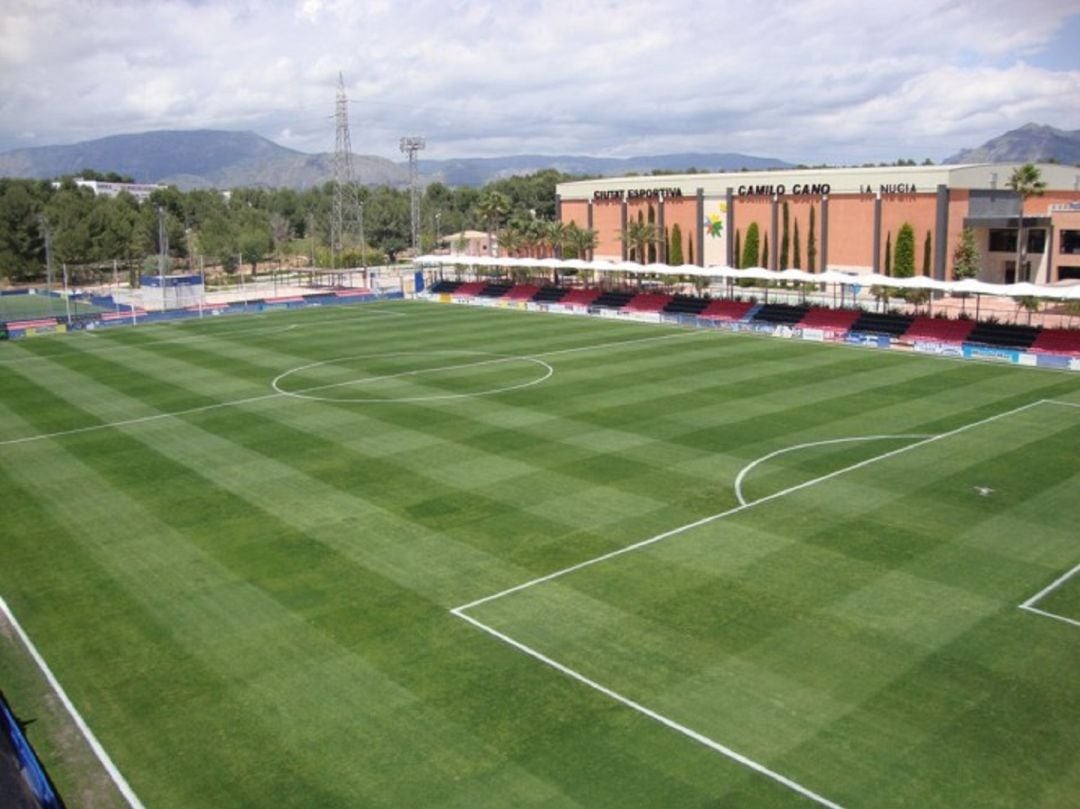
{"x": 91, "y": 234}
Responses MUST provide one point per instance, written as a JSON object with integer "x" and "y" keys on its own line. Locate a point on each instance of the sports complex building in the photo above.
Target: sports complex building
{"x": 840, "y": 219}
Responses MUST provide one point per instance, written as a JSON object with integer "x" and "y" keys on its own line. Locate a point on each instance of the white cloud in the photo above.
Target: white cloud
{"x": 836, "y": 80}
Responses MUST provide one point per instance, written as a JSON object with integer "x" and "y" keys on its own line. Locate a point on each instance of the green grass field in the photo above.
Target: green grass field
{"x": 29, "y": 307}
{"x": 401, "y": 555}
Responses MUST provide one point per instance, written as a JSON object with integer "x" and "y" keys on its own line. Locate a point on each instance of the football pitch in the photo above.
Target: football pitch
{"x": 28, "y": 307}
{"x": 408, "y": 554}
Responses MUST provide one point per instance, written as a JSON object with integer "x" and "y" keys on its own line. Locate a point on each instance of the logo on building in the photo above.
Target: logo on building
{"x": 714, "y": 222}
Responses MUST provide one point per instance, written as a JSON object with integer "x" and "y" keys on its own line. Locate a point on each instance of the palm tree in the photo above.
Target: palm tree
{"x": 1027, "y": 182}
{"x": 492, "y": 207}
{"x": 536, "y": 236}
{"x": 581, "y": 241}
{"x": 556, "y": 237}
{"x": 640, "y": 235}
{"x": 511, "y": 238}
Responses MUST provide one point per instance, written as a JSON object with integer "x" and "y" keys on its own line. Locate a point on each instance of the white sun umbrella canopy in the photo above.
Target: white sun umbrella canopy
{"x": 968, "y": 285}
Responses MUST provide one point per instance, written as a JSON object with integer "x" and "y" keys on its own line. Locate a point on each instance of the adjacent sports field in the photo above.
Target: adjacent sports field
{"x": 28, "y": 307}
{"x": 403, "y": 555}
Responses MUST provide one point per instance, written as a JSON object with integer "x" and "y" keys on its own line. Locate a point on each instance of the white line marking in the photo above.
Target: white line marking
{"x": 656, "y": 717}
{"x": 736, "y": 509}
{"x": 460, "y": 611}
{"x": 1063, "y": 404}
{"x": 1056, "y": 583}
{"x": 140, "y": 420}
{"x": 249, "y": 399}
{"x": 303, "y": 392}
{"x": 99, "y": 751}
{"x": 1053, "y": 615}
{"x": 746, "y": 469}
{"x": 1060, "y": 580}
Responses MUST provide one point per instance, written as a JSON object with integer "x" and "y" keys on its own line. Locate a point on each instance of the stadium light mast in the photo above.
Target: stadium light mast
{"x": 411, "y": 146}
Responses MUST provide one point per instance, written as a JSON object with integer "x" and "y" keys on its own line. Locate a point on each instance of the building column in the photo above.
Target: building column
{"x": 875, "y": 264}
{"x": 589, "y": 225}
{"x": 699, "y": 229}
{"x": 623, "y": 215}
{"x": 661, "y": 247}
{"x": 730, "y": 259}
{"x": 773, "y": 259}
{"x": 824, "y": 253}
{"x": 941, "y": 232}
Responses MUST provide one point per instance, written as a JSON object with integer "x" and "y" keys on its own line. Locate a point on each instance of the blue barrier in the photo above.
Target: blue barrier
{"x": 1054, "y": 361}
{"x": 981, "y": 352}
{"x": 32, "y": 770}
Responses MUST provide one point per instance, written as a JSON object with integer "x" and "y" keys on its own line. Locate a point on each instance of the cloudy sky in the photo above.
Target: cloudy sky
{"x": 838, "y": 81}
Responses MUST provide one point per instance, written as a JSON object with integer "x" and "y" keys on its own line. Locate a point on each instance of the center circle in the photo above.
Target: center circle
{"x": 401, "y": 367}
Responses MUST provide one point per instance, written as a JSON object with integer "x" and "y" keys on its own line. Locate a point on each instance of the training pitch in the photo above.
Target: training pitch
{"x": 410, "y": 554}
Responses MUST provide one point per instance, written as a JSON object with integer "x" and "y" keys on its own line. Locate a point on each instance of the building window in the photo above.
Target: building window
{"x": 1010, "y": 272}
{"x": 1002, "y": 240}
{"x": 1069, "y": 273}
{"x": 1070, "y": 242}
{"x": 1036, "y": 239}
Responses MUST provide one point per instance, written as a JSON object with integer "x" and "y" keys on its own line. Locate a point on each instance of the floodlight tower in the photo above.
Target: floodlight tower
{"x": 411, "y": 146}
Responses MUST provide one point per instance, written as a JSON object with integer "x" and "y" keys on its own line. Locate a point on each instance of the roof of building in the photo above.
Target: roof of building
{"x": 867, "y": 179}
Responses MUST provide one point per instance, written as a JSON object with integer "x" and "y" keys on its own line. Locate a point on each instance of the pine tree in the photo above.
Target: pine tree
{"x": 888, "y": 253}
{"x": 811, "y": 244}
{"x": 904, "y": 264}
{"x": 796, "y": 249}
{"x": 751, "y": 252}
{"x": 927, "y": 246}
{"x": 785, "y": 237}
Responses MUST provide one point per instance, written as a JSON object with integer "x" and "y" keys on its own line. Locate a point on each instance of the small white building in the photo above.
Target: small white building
{"x": 141, "y": 191}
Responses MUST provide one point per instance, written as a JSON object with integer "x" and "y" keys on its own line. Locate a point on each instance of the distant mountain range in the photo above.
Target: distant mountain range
{"x": 201, "y": 158}
{"x": 218, "y": 159}
{"x": 215, "y": 159}
{"x": 1034, "y": 143}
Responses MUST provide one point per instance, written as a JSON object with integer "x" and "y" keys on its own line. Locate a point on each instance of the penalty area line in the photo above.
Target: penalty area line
{"x": 667, "y": 722}
{"x": 1029, "y": 605}
{"x": 460, "y": 611}
{"x": 95, "y": 746}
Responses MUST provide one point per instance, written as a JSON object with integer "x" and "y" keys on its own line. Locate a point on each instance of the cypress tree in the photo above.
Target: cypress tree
{"x": 766, "y": 259}
{"x": 966, "y": 256}
{"x": 904, "y": 264}
{"x": 751, "y": 248}
{"x": 785, "y": 236}
{"x": 888, "y": 253}
{"x": 796, "y": 249}
{"x": 737, "y": 252}
{"x": 926, "y": 255}
{"x": 811, "y": 243}
{"x": 690, "y": 248}
{"x": 675, "y": 253}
